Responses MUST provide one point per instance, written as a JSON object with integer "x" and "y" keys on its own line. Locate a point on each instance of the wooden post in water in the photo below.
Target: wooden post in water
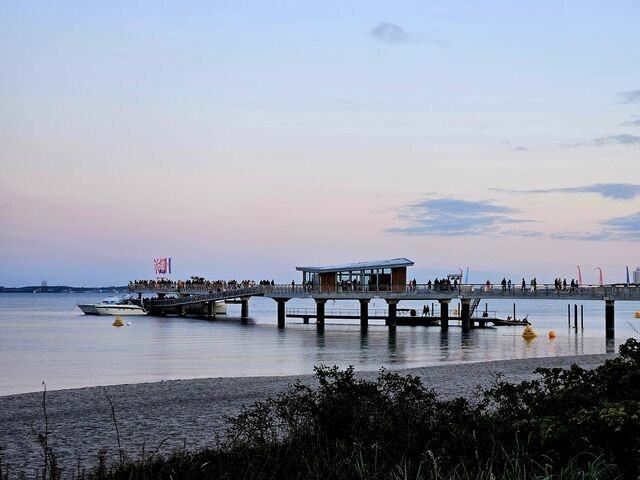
{"x": 582, "y": 317}
{"x": 568, "y": 314}
{"x": 575, "y": 316}
{"x": 609, "y": 315}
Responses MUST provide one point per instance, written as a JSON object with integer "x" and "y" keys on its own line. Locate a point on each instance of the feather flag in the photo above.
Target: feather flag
{"x": 579, "y": 276}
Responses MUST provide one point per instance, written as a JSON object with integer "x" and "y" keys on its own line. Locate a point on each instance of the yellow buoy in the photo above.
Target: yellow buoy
{"x": 637, "y": 314}
{"x": 528, "y": 332}
{"x": 118, "y": 322}
{"x": 552, "y": 334}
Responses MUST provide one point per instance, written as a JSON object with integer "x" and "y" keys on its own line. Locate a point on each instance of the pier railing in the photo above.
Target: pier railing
{"x": 425, "y": 291}
{"x": 409, "y": 291}
{"x": 208, "y": 297}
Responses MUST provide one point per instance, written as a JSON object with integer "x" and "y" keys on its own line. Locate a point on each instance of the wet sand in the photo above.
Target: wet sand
{"x": 190, "y": 413}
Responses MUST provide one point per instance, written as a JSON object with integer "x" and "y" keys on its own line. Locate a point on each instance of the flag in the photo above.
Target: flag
{"x": 162, "y": 266}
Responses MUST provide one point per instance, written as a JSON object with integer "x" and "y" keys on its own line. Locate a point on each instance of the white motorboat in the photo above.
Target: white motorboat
{"x": 120, "y": 309}
{"x": 90, "y": 308}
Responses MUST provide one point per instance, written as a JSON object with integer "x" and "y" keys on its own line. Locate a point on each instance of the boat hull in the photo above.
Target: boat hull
{"x": 120, "y": 310}
{"x": 88, "y": 308}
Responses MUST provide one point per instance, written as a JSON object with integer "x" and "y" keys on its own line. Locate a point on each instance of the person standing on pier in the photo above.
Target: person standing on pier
{"x": 524, "y": 286}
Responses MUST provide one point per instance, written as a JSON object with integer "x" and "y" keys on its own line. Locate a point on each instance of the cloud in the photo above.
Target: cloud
{"x": 581, "y": 236}
{"x": 450, "y": 216}
{"x": 517, "y": 148}
{"x": 624, "y": 228}
{"x": 389, "y": 33}
{"x": 615, "y": 229}
{"x": 630, "y": 96}
{"x": 634, "y": 122}
{"x": 523, "y": 233}
{"x": 622, "y": 139}
{"x": 615, "y": 191}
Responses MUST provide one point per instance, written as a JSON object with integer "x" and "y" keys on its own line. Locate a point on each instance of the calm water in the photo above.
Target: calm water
{"x": 44, "y": 337}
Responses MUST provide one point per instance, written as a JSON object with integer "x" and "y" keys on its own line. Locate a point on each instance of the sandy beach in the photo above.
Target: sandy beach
{"x": 167, "y": 415}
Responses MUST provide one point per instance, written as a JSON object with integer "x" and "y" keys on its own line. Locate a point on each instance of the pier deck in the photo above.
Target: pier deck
{"x": 468, "y": 295}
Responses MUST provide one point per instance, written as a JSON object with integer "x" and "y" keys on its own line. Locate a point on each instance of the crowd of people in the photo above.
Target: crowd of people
{"x": 442, "y": 285}
{"x": 194, "y": 283}
{"x": 562, "y": 286}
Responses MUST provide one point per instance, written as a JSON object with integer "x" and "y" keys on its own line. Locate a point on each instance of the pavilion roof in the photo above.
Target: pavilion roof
{"x": 357, "y": 266}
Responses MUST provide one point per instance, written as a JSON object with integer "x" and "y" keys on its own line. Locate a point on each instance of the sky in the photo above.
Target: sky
{"x": 245, "y": 138}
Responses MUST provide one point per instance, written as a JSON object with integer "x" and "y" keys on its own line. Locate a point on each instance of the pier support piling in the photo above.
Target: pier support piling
{"x": 320, "y": 302}
{"x": 364, "y": 313}
{"x": 244, "y": 307}
{"x": 392, "y": 316}
{"x": 281, "y": 311}
{"x": 609, "y": 316}
{"x": 444, "y": 313}
{"x": 464, "y": 313}
{"x": 211, "y": 309}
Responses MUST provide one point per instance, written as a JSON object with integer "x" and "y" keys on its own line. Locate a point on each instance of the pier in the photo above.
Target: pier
{"x": 385, "y": 280}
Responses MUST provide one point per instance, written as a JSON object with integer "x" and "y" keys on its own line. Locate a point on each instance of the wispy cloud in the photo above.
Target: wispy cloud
{"x": 581, "y": 236}
{"x": 623, "y": 139}
{"x": 517, "y": 148}
{"x": 630, "y": 96}
{"x": 633, "y": 122}
{"x": 450, "y": 216}
{"x": 615, "y": 229}
{"x": 523, "y": 233}
{"x": 390, "y": 33}
{"x": 625, "y": 228}
{"x": 616, "y": 191}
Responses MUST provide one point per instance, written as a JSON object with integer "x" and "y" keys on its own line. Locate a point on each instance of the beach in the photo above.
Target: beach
{"x": 164, "y": 416}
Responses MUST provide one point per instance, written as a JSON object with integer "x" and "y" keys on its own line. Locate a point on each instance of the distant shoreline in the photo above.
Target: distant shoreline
{"x": 63, "y": 289}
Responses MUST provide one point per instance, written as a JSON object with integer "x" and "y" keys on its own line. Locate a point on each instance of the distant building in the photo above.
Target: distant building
{"x": 636, "y": 276}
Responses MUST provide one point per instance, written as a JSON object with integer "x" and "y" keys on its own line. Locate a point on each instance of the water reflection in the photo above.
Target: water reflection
{"x": 610, "y": 345}
{"x": 392, "y": 343}
{"x": 444, "y": 344}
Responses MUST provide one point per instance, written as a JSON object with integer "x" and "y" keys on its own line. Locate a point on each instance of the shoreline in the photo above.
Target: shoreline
{"x": 176, "y": 414}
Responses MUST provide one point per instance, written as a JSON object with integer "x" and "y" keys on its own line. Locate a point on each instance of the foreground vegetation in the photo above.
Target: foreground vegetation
{"x": 566, "y": 424}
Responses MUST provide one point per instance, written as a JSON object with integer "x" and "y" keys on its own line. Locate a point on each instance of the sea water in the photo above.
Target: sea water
{"x": 46, "y": 338}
